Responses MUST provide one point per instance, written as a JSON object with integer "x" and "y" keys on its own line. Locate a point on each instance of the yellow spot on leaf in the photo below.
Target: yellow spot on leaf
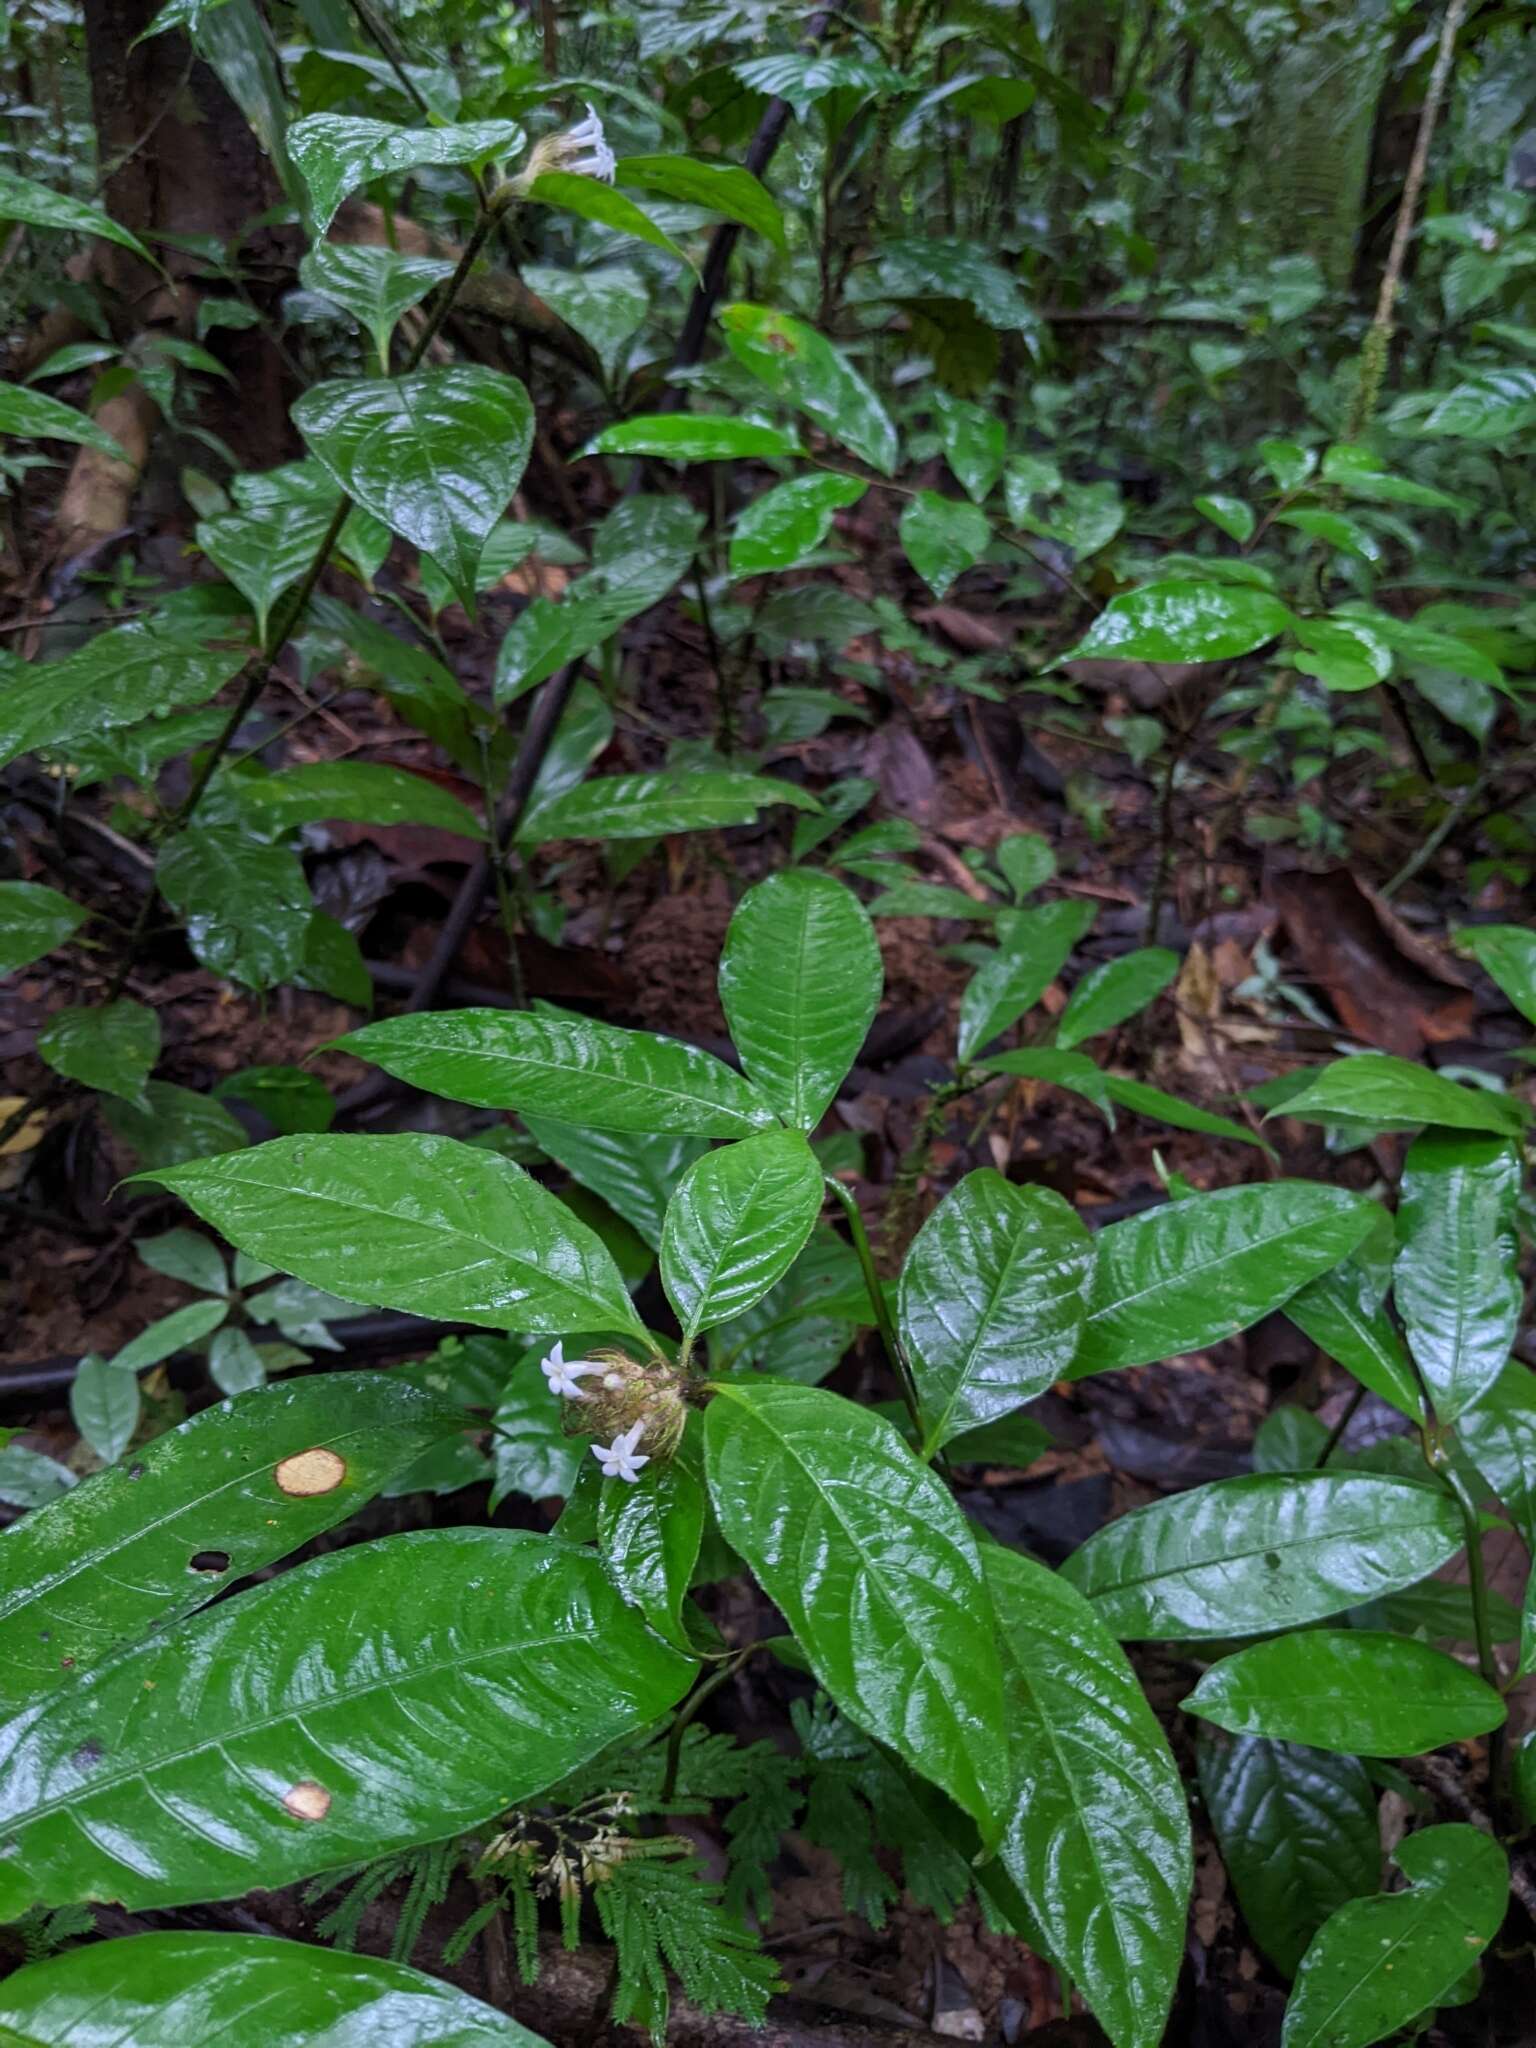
{"x": 307, "y": 1800}
{"x": 310, "y": 1472}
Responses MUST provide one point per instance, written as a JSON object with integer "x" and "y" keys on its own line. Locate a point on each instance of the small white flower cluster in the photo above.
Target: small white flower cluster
{"x": 582, "y": 150}
{"x": 622, "y": 1458}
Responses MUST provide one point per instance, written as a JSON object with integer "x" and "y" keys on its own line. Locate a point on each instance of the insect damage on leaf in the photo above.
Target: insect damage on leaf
{"x": 310, "y": 1472}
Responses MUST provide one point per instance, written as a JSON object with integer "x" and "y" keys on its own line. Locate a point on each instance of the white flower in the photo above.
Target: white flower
{"x": 564, "y": 1375}
{"x": 582, "y": 150}
{"x": 620, "y": 1459}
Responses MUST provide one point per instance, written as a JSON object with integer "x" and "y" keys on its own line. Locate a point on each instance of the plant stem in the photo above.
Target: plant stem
{"x": 877, "y": 1301}
{"x": 1336, "y": 1434}
{"x": 1477, "y": 1585}
{"x": 687, "y": 1713}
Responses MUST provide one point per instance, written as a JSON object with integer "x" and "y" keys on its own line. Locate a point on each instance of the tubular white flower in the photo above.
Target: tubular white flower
{"x": 564, "y": 1376}
{"x": 621, "y": 1459}
{"x": 582, "y": 150}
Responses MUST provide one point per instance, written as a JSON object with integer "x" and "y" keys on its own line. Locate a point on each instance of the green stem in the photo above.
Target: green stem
{"x": 1336, "y": 1434}
{"x": 1440, "y": 1461}
{"x": 687, "y": 1713}
{"x": 877, "y": 1300}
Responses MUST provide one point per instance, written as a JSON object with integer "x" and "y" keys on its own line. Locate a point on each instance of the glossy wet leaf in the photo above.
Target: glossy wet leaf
{"x": 943, "y": 537}
{"x": 591, "y": 200}
{"x": 1361, "y": 1691}
{"x": 337, "y": 153}
{"x": 178, "y": 1124}
{"x": 267, "y": 1739}
{"x": 635, "y": 1173}
{"x": 652, "y": 806}
{"x": 1118, "y": 989}
{"x": 1379, "y": 1963}
{"x": 1143, "y": 1100}
{"x": 34, "y": 416}
{"x": 33, "y": 920}
{"x": 720, "y": 188}
{"x": 244, "y": 904}
{"x": 1343, "y": 1312}
{"x": 736, "y": 1225}
{"x": 1233, "y": 515}
{"x": 864, "y": 1552}
{"x": 649, "y": 1533}
{"x": 991, "y": 1302}
{"x": 374, "y": 284}
{"x": 1032, "y": 948}
{"x": 810, "y": 373}
{"x": 406, "y": 1221}
{"x": 167, "y": 1335}
{"x": 290, "y": 1098}
{"x": 1343, "y": 653}
{"x": 788, "y": 522}
{"x": 1186, "y": 1275}
{"x": 436, "y": 455}
{"x": 185, "y": 1255}
{"x": 1396, "y": 1094}
{"x": 1266, "y": 1551}
{"x": 1297, "y": 1829}
{"x": 360, "y": 792}
{"x": 193, "y": 1511}
{"x": 111, "y": 1046}
{"x": 573, "y": 1069}
{"x": 246, "y": 1991}
{"x": 1098, "y": 1842}
{"x": 1456, "y": 1281}
{"x": 604, "y": 306}
{"x": 104, "y": 1407}
{"x": 266, "y": 552}
{"x": 530, "y": 1451}
{"x": 39, "y": 206}
{"x": 975, "y": 443}
{"x": 118, "y": 678}
{"x": 1177, "y": 621}
{"x": 1498, "y": 1433}
{"x": 1507, "y": 952}
{"x": 694, "y": 437}
{"x": 800, "y": 982}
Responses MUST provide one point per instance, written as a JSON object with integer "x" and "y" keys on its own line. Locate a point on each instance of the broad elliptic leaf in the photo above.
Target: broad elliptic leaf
{"x": 1195, "y": 1271}
{"x": 361, "y": 792}
{"x": 239, "y": 1486}
{"x": 243, "y": 1990}
{"x": 1183, "y": 622}
{"x": 1297, "y": 1829}
{"x": 530, "y": 1451}
{"x": 866, "y": 1555}
{"x": 33, "y": 920}
{"x": 40, "y": 206}
{"x": 1507, "y": 952}
{"x": 374, "y": 284}
{"x": 122, "y": 676}
{"x": 1498, "y": 1433}
{"x": 1456, "y": 1281}
{"x": 407, "y": 1221}
{"x": 1266, "y": 1551}
{"x": 1234, "y": 516}
{"x": 1399, "y": 1095}
{"x": 436, "y": 454}
{"x": 1343, "y": 1312}
{"x": 104, "y": 1407}
{"x": 943, "y": 537}
{"x": 604, "y": 306}
{"x": 178, "y": 1124}
{"x": 1107, "y": 995}
{"x": 34, "y": 416}
{"x": 648, "y": 1534}
{"x": 597, "y": 1076}
{"x": 651, "y": 806}
{"x": 991, "y": 1302}
{"x": 635, "y": 1173}
{"x": 720, "y": 188}
{"x": 592, "y": 200}
{"x": 736, "y": 1225}
{"x": 1357, "y": 1690}
{"x": 244, "y": 903}
{"x": 1343, "y": 653}
{"x": 800, "y": 981}
{"x": 110, "y": 1046}
{"x": 389, "y": 1694}
{"x": 693, "y": 437}
{"x": 1032, "y": 948}
{"x": 169, "y": 1334}
{"x": 264, "y": 553}
{"x": 807, "y": 371}
{"x": 1098, "y": 1842}
{"x": 783, "y": 526}
{"x": 1378, "y": 1964}
{"x": 975, "y": 443}
{"x": 336, "y": 153}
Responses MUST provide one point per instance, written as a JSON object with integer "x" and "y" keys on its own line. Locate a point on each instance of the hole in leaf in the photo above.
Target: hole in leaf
{"x": 307, "y": 1473}
{"x": 209, "y": 1561}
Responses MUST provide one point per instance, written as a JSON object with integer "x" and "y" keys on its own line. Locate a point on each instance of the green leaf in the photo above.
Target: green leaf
{"x": 1193, "y": 1272}
{"x": 177, "y": 1125}
{"x": 170, "y": 1334}
{"x": 800, "y": 981}
{"x": 234, "y": 1364}
{"x": 111, "y": 1047}
{"x": 943, "y": 537}
{"x": 1491, "y": 406}
{"x": 1233, "y": 515}
{"x": 245, "y": 905}
{"x": 1342, "y": 1313}
{"x": 1142, "y": 1100}
{"x": 1507, "y": 952}
{"x": 975, "y": 443}
{"x": 119, "y": 678}
{"x": 1298, "y": 1832}
{"x": 1499, "y": 1435}
{"x": 651, "y": 806}
{"x": 1267, "y": 1551}
{"x": 693, "y": 437}
{"x": 1098, "y": 1842}
{"x": 266, "y": 552}
{"x": 1288, "y": 462}
{"x": 569, "y": 1068}
{"x": 1335, "y": 530}
{"x": 249, "y": 1990}
{"x": 720, "y": 188}
{"x": 1354, "y": 1690}
{"x": 374, "y": 284}
{"x": 806, "y": 371}
{"x": 1379, "y": 1963}
{"x": 1107, "y": 995}
{"x": 185, "y": 1255}
{"x": 530, "y": 1450}
{"x": 33, "y": 920}
{"x": 991, "y": 1302}
{"x": 29, "y": 1479}
{"x": 104, "y": 1406}
{"x": 39, "y": 206}
{"x": 34, "y": 416}
{"x": 290, "y": 1098}
{"x": 787, "y": 523}
{"x": 635, "y": 1173}
{"x": 1456, "y": 1281}
{"x": 1032, "y": 948}
{"x": 1395, "y": 1094}
{"x": 649, "y": 1533}
{"x": 1343, "y": 653}
{"x": 604, "y": 306}
{"x": 436, "y": 455}
{"x": 1183, "y": 622}
{"x": 363, "y": 792}
{"x": 1359, "y": 475}
{"x": 260, "y": 1742}
{"x": 870, "y": 1561}
{"x": 804, "y": 77}
{"x": 736, "y": 1225}
{"x": 336, "y": 153}
{"x": 419, "y": 1223}
{"x": 140, "y": 1546}
{"x": 1027, "y": 862}
{"x": 591, "y": 200}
